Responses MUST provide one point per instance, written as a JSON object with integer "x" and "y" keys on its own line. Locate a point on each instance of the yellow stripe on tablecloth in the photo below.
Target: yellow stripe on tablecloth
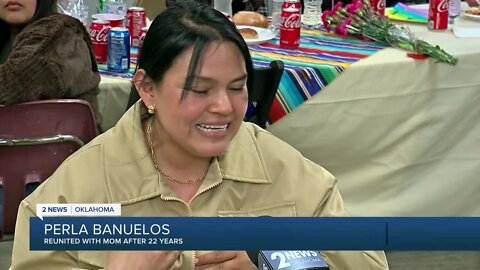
{"x": 305, "y": 60}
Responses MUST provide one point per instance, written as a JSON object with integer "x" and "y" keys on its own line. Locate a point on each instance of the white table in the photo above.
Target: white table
{"x": 112, "y": 99}
{"x": 401, "y": 135}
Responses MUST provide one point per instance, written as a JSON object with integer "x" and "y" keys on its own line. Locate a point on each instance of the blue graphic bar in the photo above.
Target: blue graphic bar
{"x": 258, "y": 233}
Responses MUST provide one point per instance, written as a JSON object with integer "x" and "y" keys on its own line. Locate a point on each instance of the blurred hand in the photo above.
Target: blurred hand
{"x": 472, "y": 3}
{"x": 141, "y": 260}
{"x": 225, "y": 260}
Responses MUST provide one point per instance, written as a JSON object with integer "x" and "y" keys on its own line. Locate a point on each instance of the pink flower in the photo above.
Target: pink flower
{"x": 337, "y": 6}
{"x": 342, "y": 30}
{"x": 348, "y": 21}
{"x": 325, "y": 15}
{"x": 350, "y": 8}
{"x": 359, "y": 5}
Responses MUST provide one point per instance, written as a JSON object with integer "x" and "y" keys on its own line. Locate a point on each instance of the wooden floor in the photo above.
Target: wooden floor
{"x": 405, "y": 260}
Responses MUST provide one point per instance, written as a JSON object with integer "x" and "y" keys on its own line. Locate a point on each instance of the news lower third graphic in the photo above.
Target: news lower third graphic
{"x": 101, "y": 227}
{"x": 69, "y": 210}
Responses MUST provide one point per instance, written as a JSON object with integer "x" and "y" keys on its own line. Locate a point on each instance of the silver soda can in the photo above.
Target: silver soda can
{"x": 118, "y": 49}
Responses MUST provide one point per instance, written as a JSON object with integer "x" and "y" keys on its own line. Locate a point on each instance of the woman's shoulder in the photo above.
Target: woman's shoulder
{"x": 85, "y": 163}
{"x": 58, "y": 19}
{"x": 78, "y": 178}
{"x": 284, "y": 165}
{"x": 277, "y": 153}
{"x": 267, "y": 143}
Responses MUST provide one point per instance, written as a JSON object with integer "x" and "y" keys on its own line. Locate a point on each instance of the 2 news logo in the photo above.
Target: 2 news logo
{"x": 286, "y": 256}
{"x": 291, "y": 260}
{"x": 54, "y": 209}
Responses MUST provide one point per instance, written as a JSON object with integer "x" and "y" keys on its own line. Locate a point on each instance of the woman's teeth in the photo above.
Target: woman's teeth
{"x": 212, "y": 128}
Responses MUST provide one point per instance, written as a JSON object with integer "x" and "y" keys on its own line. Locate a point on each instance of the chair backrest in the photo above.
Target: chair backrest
{"x": 133, "y": 97}
{"x": 265, "y": 86}
{"x": 35, "y": 138}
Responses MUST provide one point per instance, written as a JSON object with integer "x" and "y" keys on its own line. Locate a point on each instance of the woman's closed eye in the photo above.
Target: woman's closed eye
{"x": 238, "y": 85}
{"x": 200, "y": 91}
{"x": 205, "y": 90}
{"x": 237, "y": 88}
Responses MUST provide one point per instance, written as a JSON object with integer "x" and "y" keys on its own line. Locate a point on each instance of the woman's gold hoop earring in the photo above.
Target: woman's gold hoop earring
{"x": 151, "y": 109}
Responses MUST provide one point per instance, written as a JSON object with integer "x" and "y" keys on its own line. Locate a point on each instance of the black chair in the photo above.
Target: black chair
{"x": 265, "y": 85}
{"x": 133, "y": 97}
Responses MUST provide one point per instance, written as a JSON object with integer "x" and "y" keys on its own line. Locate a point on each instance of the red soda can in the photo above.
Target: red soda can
{"x": 438, "y": 15}
{"x": 379, "y": 5}
{"x": 291, "y": 3}
{"x": 136, "y": 19}
{"x": 98, "y": 35}
{"x": 143, "y": 33}
{"x": 290, "y": 24}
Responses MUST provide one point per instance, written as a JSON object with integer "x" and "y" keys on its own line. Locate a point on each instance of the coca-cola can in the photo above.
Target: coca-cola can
{"x": 290, "y": 21}
{"x": 378, "y": 5}
{"x": 136, "y": 19}
{"x": 98, "y": 35}
{"x": 292, "y": 3}
{"x": 143, "y": 33}
{"x": 438, "y": 15}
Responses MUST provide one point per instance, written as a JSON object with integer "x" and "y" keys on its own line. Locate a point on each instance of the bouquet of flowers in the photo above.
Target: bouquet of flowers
{"x": 360, "y": 20}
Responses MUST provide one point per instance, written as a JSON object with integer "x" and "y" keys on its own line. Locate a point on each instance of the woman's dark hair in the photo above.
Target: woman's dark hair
{"x": 183, "y": 26}
{"x": 44, "y": 8}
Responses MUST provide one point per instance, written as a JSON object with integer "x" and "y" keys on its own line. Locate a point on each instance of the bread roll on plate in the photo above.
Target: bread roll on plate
{"x": 248, "y": 33}
{"x": 250, "y": 18}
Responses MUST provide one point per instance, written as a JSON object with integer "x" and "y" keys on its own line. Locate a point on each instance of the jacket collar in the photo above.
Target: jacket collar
{"x": 130, "y": 173}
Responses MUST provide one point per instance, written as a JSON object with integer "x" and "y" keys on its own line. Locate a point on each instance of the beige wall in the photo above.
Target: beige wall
{"x": 153, "y": 7}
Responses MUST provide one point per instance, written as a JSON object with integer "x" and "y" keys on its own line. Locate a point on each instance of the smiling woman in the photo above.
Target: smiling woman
{"x": 200, "y": 117}
{"x": 183, "y": 150}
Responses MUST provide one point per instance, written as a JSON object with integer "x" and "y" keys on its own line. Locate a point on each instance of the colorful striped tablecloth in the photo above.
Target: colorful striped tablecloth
{"x": 320, "y": 58}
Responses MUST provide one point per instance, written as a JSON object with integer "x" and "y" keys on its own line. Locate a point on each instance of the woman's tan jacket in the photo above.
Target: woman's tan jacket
{"x": 259, "y": 175}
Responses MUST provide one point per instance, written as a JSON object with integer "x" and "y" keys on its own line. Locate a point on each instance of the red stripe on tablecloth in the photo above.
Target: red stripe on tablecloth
{"x": 276, "y": 111}
{"x": 312, "y": 50}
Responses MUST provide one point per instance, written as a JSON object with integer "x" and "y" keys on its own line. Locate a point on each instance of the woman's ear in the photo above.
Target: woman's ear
{"x": 144, "y": 87}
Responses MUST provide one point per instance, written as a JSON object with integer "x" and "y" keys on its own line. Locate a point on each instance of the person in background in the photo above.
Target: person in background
{"x": 189, "y": 153}
{"x": 473, "y": 3}
{"x": 237, "y": 5}
{"x": 171, "y": 3}
{"x": 45, "y": 55}
{"x": 250, "y": 5}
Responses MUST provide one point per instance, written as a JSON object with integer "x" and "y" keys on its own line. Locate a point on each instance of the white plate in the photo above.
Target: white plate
{"x": 264, "y": 34}
{"x": 471, "y": 16}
